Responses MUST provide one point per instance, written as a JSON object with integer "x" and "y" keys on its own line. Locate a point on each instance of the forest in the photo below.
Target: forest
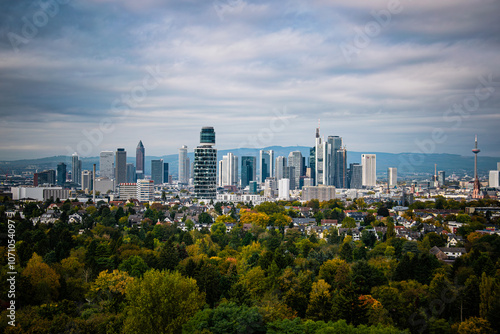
{"x": 251, "y": 271}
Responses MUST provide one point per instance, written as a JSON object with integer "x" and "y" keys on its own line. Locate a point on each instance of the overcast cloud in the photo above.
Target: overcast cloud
{"x": 261, "y": 72}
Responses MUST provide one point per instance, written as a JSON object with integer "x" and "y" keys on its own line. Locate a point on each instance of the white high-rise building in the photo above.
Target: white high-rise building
{"x": 322, "y": 160}
{"x": 392, "y": 176}
{"x": 284, "y": 189}
{"x": 494, "y": 180}
{"x": 228, "y": 170}
{"x": 498, "y": 165}
{"x": 106, "y": 164}
{"x": 184, "y": 165}
{"x": 369, "y": 175}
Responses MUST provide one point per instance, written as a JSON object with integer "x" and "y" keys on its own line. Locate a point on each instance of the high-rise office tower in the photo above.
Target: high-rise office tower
{"x": 355, "y": 176}
{"x": 334, "y": 144}
{"x": 498, "y": 165}
{"x": 295, "y": 160}
{"x": 248, "y": 170}
{"x": 107, "y": 164}
{"x": 312, "y": 164}
{"x": 157, "y": 171}
{"x": 61, "y": 174}
{"x": 228, "y": 170}
{"x": 76, "y": 169}
{"x": 140, "y": 155}
{"x": 340, "y": 168}
{"x": 281, "y": 164}
{"x": 184, "y": 166}
{"x": 266, "y": 162}
{"x": 441, "y": 177}
{"x": 205, "y": 165}
{"x": 120, "y": 166}
{"x": 290, "y": 175}
{"x": 392, "y": 176}
{"x": 87, "y": 180}
{"x": 131, "y": 173}
{"x": 165, "y": 173}
{"x": 322, "y": 162}
{"x": 369, "y": 163}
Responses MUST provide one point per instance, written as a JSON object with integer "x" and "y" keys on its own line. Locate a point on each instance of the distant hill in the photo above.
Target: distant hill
{"x": 407, "y": 163}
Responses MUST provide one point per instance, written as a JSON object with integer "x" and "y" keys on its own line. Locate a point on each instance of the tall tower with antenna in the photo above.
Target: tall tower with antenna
{"x": 477, "y": 186}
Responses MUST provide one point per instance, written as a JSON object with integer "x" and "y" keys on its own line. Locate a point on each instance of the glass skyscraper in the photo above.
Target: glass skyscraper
{"x": 205, "y": 165}
{"x": 248, "y": 170}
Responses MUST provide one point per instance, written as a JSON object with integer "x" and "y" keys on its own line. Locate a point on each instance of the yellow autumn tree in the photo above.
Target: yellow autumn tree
{"x": 43, "y": 279}
{"x": 320, "y": 304}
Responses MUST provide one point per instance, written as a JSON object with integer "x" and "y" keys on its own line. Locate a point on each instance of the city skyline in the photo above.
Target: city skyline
{"x": 416, "y": 77}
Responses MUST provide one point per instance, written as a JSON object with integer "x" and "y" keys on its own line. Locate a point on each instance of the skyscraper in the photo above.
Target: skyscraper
{"x": 140, "y": 154}
{"x": 157, "y": 171}
{"x": 228, "y": 170}
{"x": 106, "y": 164}
{"x": 355, "y": 176}
{"x": 76, "y": 169}
{"x": 87, "y": 180}
{"x": 120, "y": 166}
{"x": 281, "y": 164}
{"x": 248, "y": 170}
{"x": 295, "y": 160}
{"x": 334, "y": 144}
{"x": 369, "y": 163}
{"x": 205, "y": 165}
{"x": 266, "y": 162}
{"x": 184, "y": 166}
{"x": 340, "y": 168}
{"x": 312, "y": 164}
{"x": 61, "y": 174}
{"x": 392, "y": 177}
{"x": 322, "y": 150}
{"x": 441, "y": 177}
{"x": 131, "y": 173}
{"x": 165, "y": 173}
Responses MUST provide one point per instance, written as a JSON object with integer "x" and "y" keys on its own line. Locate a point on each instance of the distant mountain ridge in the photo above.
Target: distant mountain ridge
{"x": 407, "y": 163}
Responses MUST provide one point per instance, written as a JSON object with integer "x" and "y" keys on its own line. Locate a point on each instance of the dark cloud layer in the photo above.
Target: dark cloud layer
{"x": 101, "y": 74}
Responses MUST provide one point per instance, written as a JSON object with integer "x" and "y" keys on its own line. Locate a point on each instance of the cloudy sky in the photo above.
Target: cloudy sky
{"x": 387, "y": 76}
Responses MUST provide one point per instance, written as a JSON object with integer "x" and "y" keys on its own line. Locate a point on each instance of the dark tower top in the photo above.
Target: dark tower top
{"x": 207, "y": 135}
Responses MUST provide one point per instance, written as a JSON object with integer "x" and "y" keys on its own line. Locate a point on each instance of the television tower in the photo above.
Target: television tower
{"x": 477, "y": 186}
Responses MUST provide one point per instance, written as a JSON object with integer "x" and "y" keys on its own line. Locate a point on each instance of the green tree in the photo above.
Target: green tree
{"x": 228, "y": 318}
{"x": 161, "y": 302}
{"x": 134, "y": 265}
{"x": 348, "y": 222}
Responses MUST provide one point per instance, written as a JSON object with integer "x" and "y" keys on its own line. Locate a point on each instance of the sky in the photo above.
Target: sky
{"x": 387, "y": 76}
